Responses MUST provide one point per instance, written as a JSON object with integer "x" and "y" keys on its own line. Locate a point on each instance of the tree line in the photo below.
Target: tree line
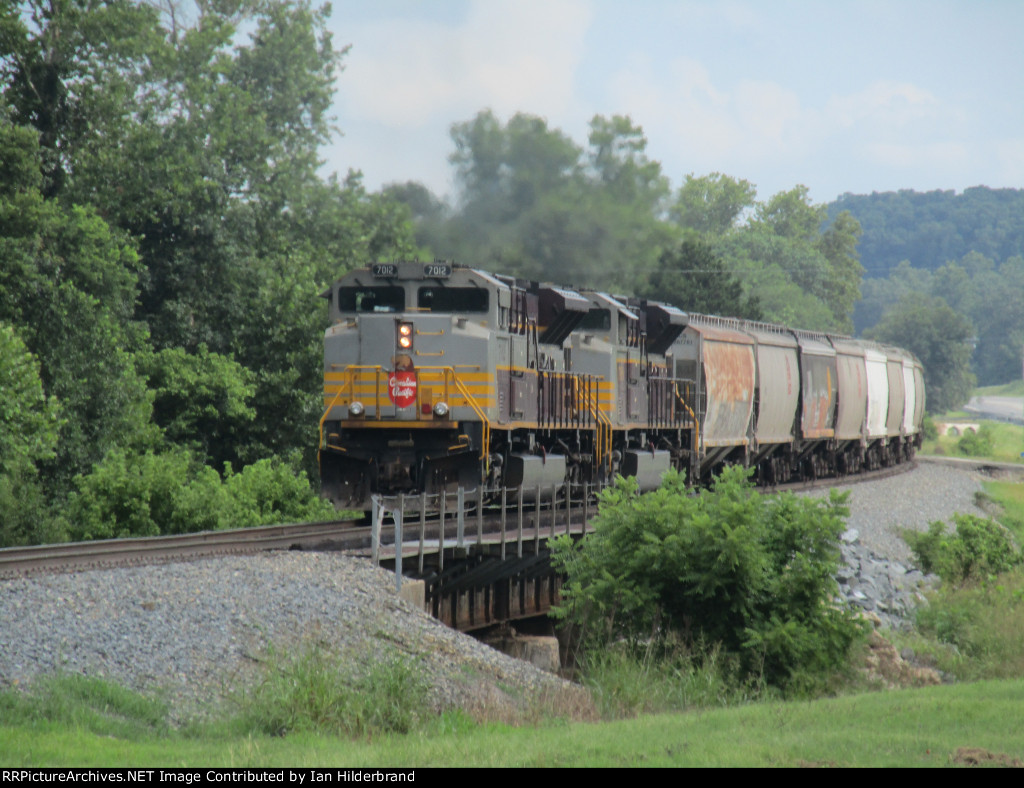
{"x": 961, "y": 255}
{"x": 163, "y": 235}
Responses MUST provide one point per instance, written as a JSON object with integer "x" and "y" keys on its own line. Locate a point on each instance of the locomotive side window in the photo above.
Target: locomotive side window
{"x": 371, "y": 299}
{"x": 596, "y": 320}
{"x": 453, "y": 299}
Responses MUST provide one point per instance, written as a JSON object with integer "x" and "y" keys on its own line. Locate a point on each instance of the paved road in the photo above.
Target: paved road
{"x": 1000, "y": 408}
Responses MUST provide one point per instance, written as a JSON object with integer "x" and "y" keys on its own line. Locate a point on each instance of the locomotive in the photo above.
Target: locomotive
{"x": 439, "y": 376}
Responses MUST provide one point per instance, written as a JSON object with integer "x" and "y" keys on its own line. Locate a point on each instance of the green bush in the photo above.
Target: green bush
{"x": 172, "y": 492}
{"x": 979, "y": 548}
{"x": 976, "y": 444}
{"x": 982, "y": 625}
{"x": 727, "y": 566}
{"x": 928, "y": 429}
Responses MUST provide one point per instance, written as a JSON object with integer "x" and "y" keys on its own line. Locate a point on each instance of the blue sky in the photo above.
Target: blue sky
{"x": 837, "y": 95}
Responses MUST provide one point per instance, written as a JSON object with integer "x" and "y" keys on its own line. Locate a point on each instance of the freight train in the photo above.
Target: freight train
{"x": 439, "y": 376}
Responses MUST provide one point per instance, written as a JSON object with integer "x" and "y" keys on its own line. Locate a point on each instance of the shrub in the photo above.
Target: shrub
{"x": 979, "y": 547}
{"x": 728, "y": 565}
{"x": 172, "y": 492}
{"x": 976, "y": 444}
{"x": 983, "y": 625}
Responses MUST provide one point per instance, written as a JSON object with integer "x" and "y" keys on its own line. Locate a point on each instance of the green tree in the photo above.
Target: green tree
{"x": 29, "y": 426}
{"x": 940, "y": 338}
{"x": 712, "y": 204}
{"x": 838, "y": 245}
{"x": 977, "y": 548}
{"x": 29, "y": 420}
{"x": 730, "y": 566}
{"x": 929, "y": 229}
{"x": 536, "y": 204}
{"x": 791, "y": 215}
{"x": 785, "y": 275}
{"x": 68, "y": 283}
{"x": 997, "y": 311}
{"x": 150, "y": 493}
{"x": 68, "y": 68}
{"x": 695, "y": 279}
{"x": 201, "y": 400}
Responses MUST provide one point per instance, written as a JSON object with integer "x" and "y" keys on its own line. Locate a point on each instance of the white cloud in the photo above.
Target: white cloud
{"x": 946, "y": 155}
{"x": 686, "y": 107}
{"x": 771, "y": 118}
{"x": 883, "y": 104}
{"x": 506, "y": 56}
{"x": 711, "y": 126}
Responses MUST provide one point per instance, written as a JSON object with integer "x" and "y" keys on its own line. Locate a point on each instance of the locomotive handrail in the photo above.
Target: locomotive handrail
{"x": 603, "y": 438}
{"x": 323, "y": 419}
{"x": 485, "y": 449}
{"x": 696, "y": 421}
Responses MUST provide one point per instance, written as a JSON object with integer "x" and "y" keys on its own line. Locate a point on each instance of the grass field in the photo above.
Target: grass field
{"x": 921, "y": 727}
{"x": 1007, "y": 441}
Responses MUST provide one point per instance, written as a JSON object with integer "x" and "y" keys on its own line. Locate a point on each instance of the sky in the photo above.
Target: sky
{"x": 836, "y": 95}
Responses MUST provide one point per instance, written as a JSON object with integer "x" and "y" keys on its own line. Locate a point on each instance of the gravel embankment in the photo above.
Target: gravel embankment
{"x": 880, "y": 509}
{"x": 194, "y": 628}
{"x": 878, "y": 577}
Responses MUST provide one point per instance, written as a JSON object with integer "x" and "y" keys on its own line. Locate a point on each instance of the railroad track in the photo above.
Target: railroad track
{"x": 338, "y": 535}
{"x": 107, "y": 553}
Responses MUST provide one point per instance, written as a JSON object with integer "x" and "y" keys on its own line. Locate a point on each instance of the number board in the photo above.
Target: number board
{"x": 437, "y": 270}
{"x": 385, "y": 270}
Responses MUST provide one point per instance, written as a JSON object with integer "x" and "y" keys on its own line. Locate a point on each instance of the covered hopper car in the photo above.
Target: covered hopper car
{"x": 439, "y": 376}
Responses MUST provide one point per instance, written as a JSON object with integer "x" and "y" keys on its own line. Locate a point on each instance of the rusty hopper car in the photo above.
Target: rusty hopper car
{"x": 439, "y": 376}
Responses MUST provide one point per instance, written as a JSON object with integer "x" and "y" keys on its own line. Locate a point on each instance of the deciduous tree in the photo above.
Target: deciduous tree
{"x": 940, "y": 338}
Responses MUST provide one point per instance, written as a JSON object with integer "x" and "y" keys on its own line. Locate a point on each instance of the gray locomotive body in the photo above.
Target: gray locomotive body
{"x": 439, "y": 376}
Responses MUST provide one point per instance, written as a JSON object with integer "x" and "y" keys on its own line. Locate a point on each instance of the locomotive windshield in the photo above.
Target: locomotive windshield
{"x": 453, "y": 299}
{"x": 371, "y": 299}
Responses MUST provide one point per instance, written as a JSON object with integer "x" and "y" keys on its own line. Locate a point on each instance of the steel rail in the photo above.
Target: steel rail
{"x": 77, "y": 556}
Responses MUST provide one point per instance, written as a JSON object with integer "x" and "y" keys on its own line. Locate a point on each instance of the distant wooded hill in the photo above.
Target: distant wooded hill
{"x": 932, "y": 228}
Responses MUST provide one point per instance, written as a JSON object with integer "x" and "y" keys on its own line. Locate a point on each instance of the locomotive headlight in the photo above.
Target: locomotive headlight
{"x": 405, "y": 335}
{"x": 440, "y": 408}
{"x": 356, "y": 408}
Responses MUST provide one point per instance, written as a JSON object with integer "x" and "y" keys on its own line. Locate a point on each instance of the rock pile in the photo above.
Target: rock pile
{"x": 884, "y": 587}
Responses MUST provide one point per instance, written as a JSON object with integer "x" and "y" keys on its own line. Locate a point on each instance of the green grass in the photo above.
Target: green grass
{"x": 1005, "y": 502}
{"x": 922, "y": 727}
{"x": 315, "y": 690}
{"x": 1014, "y": 389}
{"x": 626, "y": 685}
{"x": 975, "y": 631}
{"x": 85, "y": 703}
{"x": 1007, "y": 442}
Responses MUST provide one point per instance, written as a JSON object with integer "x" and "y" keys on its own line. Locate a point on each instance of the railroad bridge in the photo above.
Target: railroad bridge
{"x": 479, "y": 565}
